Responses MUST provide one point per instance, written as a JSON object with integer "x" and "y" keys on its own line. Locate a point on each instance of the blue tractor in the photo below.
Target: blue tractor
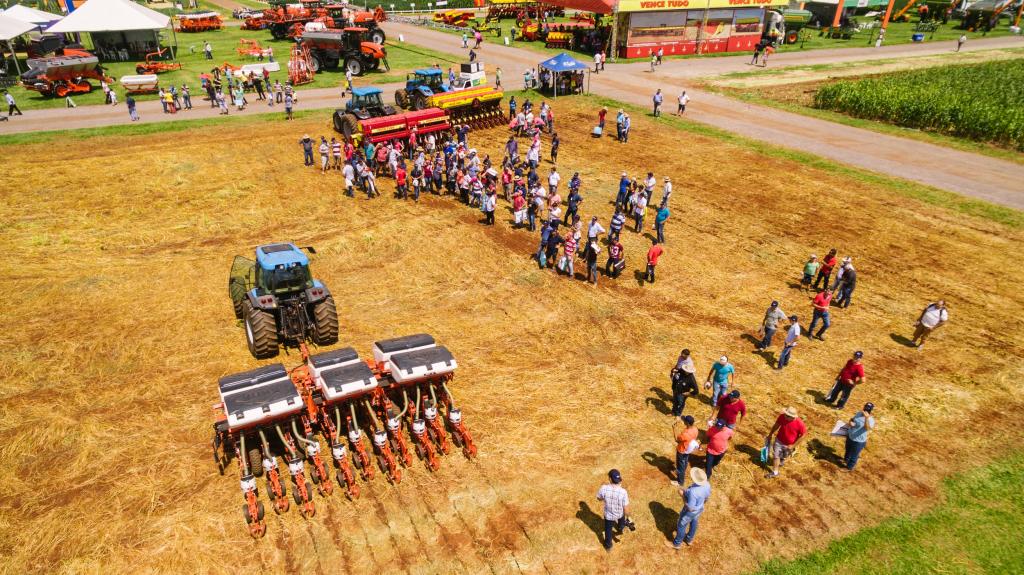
{"x": 279, "y": 301}
{"x": 419, "y": 87}
{"x": 365, "y": 103}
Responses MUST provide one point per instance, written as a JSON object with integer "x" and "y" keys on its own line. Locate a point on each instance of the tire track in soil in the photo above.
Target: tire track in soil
{"x": 335, "y": 530}
{"x": 448, "y": 537}
{"x": 381, "y": 514}
{"x": 284, "y": 544}
{"x": 411, "y": 510}
{"x": 316, "y": 548}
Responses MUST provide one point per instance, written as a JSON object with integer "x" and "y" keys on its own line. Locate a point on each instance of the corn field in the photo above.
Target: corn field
{"x": 983, "y": 102}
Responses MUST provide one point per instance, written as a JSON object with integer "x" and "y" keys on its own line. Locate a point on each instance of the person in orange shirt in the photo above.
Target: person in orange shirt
{"x": 685, "y": 433}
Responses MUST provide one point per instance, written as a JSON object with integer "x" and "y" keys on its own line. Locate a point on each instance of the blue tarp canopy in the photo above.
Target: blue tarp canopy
{"x": 563, "y": 63}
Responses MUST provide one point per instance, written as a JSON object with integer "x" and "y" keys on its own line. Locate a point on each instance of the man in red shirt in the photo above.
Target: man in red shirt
{"x": 820, "y": 305}
{"x": 730, "y": 407}
{"x": 652, "y": 258}
{"x": 849, "y": 377}
{"x": 400, "y": 182}
{"x": 825, "y": 271}
{"x": 615, "y": 259}
{"x": 788, "y": 430}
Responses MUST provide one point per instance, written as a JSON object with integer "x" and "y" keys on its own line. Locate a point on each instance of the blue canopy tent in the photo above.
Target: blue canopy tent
{"x": 566, "y": 73}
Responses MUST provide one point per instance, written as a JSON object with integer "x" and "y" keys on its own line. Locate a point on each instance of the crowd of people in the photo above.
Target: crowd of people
{"x": 728, "y": 409}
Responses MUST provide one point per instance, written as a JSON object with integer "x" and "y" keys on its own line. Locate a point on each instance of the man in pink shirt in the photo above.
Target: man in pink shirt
{"x": 718, "y": 444}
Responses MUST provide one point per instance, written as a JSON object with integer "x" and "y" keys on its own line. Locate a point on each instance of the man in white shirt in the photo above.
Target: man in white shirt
{"x": 666, "y": 192}
{"x": 932, "y": 318}
{"x": 616, "y": 506}
{"x": 792, "y": 338}
{"x": 553, "y": 181}
{"x": 682, "y": 100}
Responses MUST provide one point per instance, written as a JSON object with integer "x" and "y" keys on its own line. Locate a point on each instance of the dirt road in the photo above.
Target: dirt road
{"x": 991, "y": 179}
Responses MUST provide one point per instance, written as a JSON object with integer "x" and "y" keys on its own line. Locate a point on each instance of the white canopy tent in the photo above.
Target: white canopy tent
{"x": 106, "y": 16}
{"x": 31, "y": 15}
{"x": 11, "y": 28}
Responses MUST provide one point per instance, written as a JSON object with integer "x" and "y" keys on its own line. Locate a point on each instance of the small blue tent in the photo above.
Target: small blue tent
{"x": 565, "y": 67}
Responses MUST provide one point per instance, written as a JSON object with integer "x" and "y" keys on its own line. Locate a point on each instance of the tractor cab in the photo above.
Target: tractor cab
{"x": 366, "y": 102}
{"x": 428, "y": 82}
{"x": 282, "y": 269}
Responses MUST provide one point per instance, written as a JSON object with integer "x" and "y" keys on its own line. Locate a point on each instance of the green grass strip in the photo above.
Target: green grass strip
{"x": 977, "y": 529}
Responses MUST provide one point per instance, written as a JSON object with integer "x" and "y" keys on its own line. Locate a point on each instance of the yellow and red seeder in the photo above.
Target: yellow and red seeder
{"x": 270, "y": 412}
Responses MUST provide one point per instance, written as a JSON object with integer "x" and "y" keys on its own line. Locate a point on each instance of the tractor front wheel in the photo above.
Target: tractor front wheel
{"x": 354, "y": 65}
{"x": 419, "y": 102}
{"x": 325, "y": 316}
{"x": 792, "y": 36}
{"x": 402, "y": 99}
{"x": 260, "y": 332}
{"x": 377, "y": 37}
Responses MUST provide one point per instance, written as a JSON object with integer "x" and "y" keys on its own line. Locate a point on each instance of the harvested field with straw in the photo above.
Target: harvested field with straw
{"x": 117, "y": 325}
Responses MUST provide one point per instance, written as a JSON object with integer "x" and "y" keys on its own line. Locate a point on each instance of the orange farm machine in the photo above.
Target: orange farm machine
{"x": 332, "y": 48}
{"x": 300, "y": 65}
{"x": 289, "y": 22}
{"x": 401, "y": 400}
{"x": 65, "y": 74}
{"x": 460, "y": 18}
{"x": 199, "y": 22}
{"x": 153, "y": 64}
{"x": 251, "y": 48}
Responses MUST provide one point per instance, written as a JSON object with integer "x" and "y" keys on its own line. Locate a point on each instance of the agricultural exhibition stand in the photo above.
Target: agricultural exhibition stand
{"x": 11, "y": 28}
{"x": 567, "y": 74}
{"x": 121, "y": 29}
{"x": 641, "y": 27}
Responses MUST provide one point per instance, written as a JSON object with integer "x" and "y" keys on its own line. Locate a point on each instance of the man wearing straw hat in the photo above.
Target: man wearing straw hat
{"x": 788, "y": 431}
{"x": 694, "y": 497}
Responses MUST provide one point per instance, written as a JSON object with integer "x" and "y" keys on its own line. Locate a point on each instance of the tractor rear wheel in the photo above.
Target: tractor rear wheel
{"x": 402, "y": 99}
{"x": 349, "y": 126}
{"x": 278, "y": 31}
{"x": 354, "y": 65}
{"x": 260, "y": 331}
{"x": 255, "y": 462}
{"x": 325, "y": 319}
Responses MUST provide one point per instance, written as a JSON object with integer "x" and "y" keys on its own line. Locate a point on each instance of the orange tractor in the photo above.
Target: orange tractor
{"x": 401, "y": 399}
{"x": 199, "y": 22}
{"x": 153, "y": 65}
{"x": 66, "y": 74}
{"x": 347, "y": 48}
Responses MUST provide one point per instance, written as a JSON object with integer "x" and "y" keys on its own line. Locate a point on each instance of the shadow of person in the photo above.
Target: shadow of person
{"x": 818, "y": 395}
{"x": 592, "y": 520}
{"x": 823, "y": 451}
{"x": 640, "y": 277}
{"x": 665, "y": 519}
{"x": 754, "y": 453}
{"x": 662, "y": 401}
{"x": 664, "y": 464}
{"x": 902, "y": 340}
{"x": 751, "y": 338}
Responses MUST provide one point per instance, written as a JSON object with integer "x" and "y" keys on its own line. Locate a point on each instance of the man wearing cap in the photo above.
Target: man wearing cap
{"x": 847, "y": 286}
{"x": 932, "y": 318}
{"x": 857, "y": 431}
{"x": 792, "y": 338}
{"x": 666, "y": 191}
{"x": 721, "y": 376}
{"x": 730, "y": 410}
{"x": 683, "y": 382}
{"x": 770, "y": 324}
{"x": 685, "y": 433}
{"x": 616, "y": 506}
{"x": 820, "y": 305}
{"x": 718, "y": 443}
{"x": 850, "y": 376}
{"x": 307, "y": 149}
{"x": 788, "y": 431}
{"x": 623, "y": 195}
{"x": 659, "y": 221}
{"x": 694, "y": 498}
